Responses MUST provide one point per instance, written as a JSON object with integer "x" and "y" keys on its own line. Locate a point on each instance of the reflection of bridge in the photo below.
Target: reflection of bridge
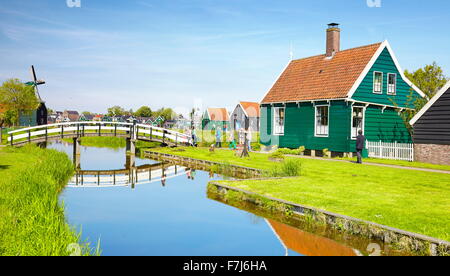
{"x": 130, "y": 176}
{"x": 76, "y": 130}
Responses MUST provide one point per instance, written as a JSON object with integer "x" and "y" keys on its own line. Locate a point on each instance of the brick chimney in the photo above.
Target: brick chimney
{"x": 333, "y": 39}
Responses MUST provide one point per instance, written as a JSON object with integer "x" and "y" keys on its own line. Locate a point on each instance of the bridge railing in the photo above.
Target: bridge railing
{"x": 80, "y": 129}
{"x": 163, "y": 134}
{"x": 133, "y": 177}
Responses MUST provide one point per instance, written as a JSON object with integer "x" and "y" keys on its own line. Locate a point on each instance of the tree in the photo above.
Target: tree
{"x": 87, "y": 113}
{"x": 430, "y": 80}
{"x": 166, "y": 113}
{"x": 144, "y": 111}
{"x": 116, "y": 111}
{"x": 16, "y": 97}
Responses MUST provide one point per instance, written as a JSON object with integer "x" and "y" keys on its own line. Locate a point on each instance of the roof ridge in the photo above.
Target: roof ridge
{"x": 350, "y": 49}
{"x": 301, "y": 81}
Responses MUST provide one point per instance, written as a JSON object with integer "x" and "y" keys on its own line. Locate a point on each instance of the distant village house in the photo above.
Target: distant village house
{"x": 246, "y": 112}
{"x": 216, "y": 117}
{"x": 71, "y": 116}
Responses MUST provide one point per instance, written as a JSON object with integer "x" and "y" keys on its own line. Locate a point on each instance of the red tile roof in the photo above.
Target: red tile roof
{"x": 218, "y": 114}
{"x": 316, "y": 78}
{"x": 252, "y": 109}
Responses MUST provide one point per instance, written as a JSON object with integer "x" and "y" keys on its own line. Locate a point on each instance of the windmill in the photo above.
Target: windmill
{"x": 35, "y": 82}
{"x": 41, "y": 112}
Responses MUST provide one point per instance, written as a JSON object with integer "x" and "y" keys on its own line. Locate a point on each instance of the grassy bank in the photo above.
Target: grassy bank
{"x": 414, "y": 201}
{"x": 112, "y": 142}
{"x": 402, "y": 163}
{"x": 31, "y": 219}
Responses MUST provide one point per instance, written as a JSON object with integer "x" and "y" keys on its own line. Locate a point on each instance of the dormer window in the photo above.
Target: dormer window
{"x": 378, "y": 82}
{"x": 392, "y": 84}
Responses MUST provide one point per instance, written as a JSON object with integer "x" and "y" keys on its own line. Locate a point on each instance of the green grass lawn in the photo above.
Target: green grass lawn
{"x": 409, "y": 200}
{"x": 31, "y": 218}
{"x": 402, "y": 163}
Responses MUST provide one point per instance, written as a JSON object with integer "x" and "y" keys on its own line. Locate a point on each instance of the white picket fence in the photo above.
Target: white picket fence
{"x": 393, "y": 151}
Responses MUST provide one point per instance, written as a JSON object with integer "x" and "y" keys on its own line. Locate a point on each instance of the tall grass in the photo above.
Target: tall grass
{"x": 287, "y": 168}
{"x": 32, "y": 221}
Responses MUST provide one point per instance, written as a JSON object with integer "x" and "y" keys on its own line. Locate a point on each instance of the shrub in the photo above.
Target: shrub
{"x": 301, "y": 150}
{"x": 285, "y": 151}
{"x": 276, "y": 155}
{"x": 288, "y": 168}
{"x": 325, "y": 152}
{"x": 256, "y": 146}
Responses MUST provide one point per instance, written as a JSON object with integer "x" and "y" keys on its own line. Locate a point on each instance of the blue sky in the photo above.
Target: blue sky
{"x": 180, "y": 53}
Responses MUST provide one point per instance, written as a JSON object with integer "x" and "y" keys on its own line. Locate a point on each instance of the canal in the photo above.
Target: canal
{"x": 143, "y": 207}
{"x": 174, "y": 218}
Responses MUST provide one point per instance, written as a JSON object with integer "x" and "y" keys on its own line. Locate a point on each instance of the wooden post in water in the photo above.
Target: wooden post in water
{"x": 131, "y": 146}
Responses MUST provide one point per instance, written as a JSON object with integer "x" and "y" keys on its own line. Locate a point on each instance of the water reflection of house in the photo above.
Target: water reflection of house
{"x": 306, "y": 243}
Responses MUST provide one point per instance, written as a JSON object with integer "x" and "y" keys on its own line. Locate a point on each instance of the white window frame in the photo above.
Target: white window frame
{"x": 274, "y": 112}
{"x": 363, "y": 122}
{"x": 315, "y": 121}
{"x": 382, "y": 80}
{"x": 395, "y": 84}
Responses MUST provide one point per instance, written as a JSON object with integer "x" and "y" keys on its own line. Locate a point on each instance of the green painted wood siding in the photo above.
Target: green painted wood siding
{"x": 266, "y": 126}
{"x": 384, "y": 64}
{"x": 27, "y": 119}
{"x": 299, "y": 127}
{"x": 385, "y": 126}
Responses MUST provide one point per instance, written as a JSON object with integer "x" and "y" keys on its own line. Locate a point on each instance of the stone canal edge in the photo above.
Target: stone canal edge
{"x": 403, "y": 240}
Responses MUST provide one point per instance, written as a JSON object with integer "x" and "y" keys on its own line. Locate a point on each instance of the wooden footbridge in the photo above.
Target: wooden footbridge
{"x": 131, "y": 131}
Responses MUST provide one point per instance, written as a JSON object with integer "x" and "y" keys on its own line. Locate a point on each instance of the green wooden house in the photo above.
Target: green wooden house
{"x": 323, "y": 101}
{"x": 216, "y": 117}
